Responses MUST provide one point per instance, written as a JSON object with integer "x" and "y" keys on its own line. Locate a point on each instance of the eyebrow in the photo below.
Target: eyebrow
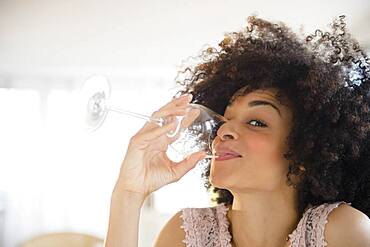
{"x": 261, "y": 102}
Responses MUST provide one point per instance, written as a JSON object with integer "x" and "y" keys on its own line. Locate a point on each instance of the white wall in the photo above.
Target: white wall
{"x": 143, "y": 33}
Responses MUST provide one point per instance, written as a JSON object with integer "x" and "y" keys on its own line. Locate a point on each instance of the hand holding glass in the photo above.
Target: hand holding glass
{"x": 194, "y": 132}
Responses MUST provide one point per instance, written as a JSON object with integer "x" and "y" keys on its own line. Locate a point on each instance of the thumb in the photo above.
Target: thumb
{"x": 182, "y": 167}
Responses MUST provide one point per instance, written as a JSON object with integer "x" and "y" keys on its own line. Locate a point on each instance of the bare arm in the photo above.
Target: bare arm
{"x": 124, "y": 219}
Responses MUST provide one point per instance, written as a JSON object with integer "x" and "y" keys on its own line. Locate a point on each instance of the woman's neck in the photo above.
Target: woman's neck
{"x": 263, "y": 218}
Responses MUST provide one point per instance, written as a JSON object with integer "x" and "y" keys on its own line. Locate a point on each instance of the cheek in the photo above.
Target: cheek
{"x": 258, "y": 144}
{"x": 264, "y": 151}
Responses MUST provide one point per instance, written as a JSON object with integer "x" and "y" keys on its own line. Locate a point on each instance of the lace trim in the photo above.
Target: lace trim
{"x": 206, "y": 227}
{"x": 209, "y": 227}
{"x": 310, "y": 229}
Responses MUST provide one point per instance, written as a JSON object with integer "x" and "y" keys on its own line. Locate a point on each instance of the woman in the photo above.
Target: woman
{"x": 293, "y": 166}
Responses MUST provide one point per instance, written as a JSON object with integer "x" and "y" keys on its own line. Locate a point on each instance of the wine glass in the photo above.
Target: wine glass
{"x": 195, "y": 130}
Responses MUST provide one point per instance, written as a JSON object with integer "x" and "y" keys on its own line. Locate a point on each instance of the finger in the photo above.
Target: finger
{"x": 189, "y": 118}
{"x": 185, "y": 123}
{"x": 156, "y": 132}
{"x": 165, "y": 110}
{"x": 169, "y": 114}
{"x": 184, "y": 166}
{"x": 183, "y": 100}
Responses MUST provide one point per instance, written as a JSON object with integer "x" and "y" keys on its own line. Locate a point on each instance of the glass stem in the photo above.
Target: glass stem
{"x": 158, "y": 121}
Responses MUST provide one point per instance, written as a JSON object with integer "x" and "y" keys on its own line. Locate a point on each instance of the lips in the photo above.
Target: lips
{"x": 226, "y": 154}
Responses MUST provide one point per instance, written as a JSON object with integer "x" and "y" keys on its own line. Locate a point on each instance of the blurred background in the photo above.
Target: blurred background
{"x": 55, "y": 177}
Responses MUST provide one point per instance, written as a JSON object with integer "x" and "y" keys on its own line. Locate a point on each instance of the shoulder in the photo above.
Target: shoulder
{"x": 184, "y": 227}
{"x": 348, "y": 227}
{"x": 171, "y": 234}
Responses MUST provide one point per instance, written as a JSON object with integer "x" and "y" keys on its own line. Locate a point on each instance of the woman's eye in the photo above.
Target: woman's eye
{"x": 258, "y": 123}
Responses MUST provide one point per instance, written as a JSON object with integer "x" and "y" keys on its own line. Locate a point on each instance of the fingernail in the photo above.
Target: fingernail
{"x": 188, "y": 96}
{"x": 187, "y": 157}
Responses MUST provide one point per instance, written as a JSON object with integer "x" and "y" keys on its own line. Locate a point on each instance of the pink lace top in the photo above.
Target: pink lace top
{"x": 209, "y": 227}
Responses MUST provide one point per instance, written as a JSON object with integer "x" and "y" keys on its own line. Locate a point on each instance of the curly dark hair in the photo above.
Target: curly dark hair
{"x": 326, "y": 78}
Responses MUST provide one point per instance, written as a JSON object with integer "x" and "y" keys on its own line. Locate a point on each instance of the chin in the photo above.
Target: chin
{"x": 221, "y": 176}
{"x": 218, "y": 181}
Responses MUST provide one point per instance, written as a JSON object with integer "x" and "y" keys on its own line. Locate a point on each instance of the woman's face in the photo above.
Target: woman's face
{"x": 257, "y": 132}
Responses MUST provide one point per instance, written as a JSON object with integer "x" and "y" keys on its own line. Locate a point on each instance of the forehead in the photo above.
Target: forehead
{"x": 266, "y": 94}
{"x": 240, "y": 100}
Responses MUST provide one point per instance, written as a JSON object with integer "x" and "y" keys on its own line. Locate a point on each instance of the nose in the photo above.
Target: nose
{"x": 224, "y": 132}
{"x": 227, "y": 131}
